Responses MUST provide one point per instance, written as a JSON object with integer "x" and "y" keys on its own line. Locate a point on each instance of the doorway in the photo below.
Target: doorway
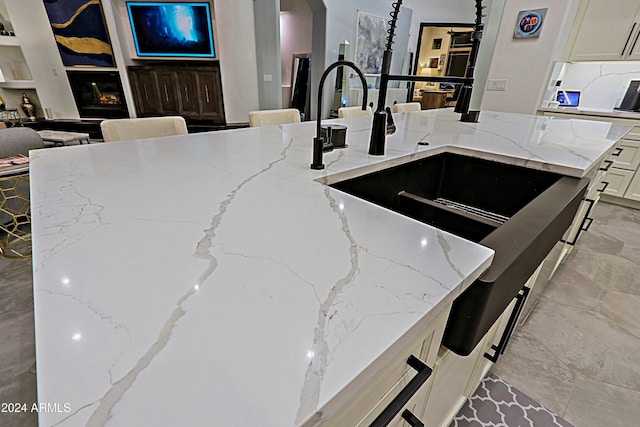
{"x": 443, "y": 50}
{"x": 296, "y": 23}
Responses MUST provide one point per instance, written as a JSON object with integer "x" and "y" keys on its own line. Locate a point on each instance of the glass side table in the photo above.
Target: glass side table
{"x": 15, "y": 215}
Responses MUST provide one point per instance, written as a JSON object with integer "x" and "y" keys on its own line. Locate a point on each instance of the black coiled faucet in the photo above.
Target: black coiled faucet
{"x": 319, "y": 145}
{"x": 381, "y": 117}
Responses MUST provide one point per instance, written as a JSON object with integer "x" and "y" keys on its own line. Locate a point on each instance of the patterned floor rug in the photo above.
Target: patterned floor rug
{"x": 498, "y": 404}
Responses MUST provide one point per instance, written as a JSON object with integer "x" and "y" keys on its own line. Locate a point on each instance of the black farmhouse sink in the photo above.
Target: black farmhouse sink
{"x": 518, "y": 212}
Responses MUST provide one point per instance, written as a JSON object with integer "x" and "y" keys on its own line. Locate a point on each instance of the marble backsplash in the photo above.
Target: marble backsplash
{"x": 603, "y": 84}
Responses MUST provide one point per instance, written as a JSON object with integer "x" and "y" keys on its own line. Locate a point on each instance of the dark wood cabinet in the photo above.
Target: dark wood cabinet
{"x": 191, "y": 91}
{"x": 146, "y": 93}
{"x": 188, "y": 88}
{"x": 434, "y": 99}
{"x": 210, "y": 97}
{"x": 167, "y": 86}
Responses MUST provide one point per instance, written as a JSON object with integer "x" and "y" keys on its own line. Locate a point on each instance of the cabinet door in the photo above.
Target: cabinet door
{"x": 427, "y": 351}
{"x": 629, "y": 158}
{"x": 633, "y": 191}
{"x": 145, "y": 92}
{"x": 619, "y": 180}
{"x": 634, "y": 44}
{"x": 188, "y": 88}
{"x": 167, "y": 86}
{"x": 607, "y": 30}
{"x": 210, "y": 94}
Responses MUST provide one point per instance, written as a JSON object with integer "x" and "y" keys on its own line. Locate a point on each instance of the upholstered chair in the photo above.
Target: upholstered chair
{"x": 140, "y": 128}
{"x": 273, "y": 117}
{"x": 344, "y": 112}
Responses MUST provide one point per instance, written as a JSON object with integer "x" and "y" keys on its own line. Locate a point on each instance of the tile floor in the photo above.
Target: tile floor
{"x": 577, "y": 353}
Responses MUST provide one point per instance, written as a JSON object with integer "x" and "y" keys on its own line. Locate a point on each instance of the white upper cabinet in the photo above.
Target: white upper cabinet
{"x": 607, "y": 30}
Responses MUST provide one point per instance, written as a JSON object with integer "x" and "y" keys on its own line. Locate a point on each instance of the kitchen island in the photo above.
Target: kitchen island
{"x": 214, "y": 279}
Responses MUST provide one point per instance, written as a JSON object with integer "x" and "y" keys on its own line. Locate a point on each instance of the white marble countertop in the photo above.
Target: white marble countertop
{"x": 212, "y": 279}
{"x": 595, "y": 112}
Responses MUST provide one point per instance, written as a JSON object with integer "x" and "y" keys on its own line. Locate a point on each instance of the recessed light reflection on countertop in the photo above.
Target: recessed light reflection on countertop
{"x": 424, "y": 243}
{"x": 196, "y": 287}
{"x": 341, "y": 206}
{"x": 65, "y": 282}
{"x": 310, "y": 354}
{"x": 76, "y": 336}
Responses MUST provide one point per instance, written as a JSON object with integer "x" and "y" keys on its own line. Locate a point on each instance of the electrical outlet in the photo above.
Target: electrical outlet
{"x": 497, "y": 84}
{"x": 268, "y": 77}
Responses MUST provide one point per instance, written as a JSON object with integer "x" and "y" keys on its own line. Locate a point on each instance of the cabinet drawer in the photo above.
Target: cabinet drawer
{"x": 629, "y": 158}
{"x": 619, "y": 180}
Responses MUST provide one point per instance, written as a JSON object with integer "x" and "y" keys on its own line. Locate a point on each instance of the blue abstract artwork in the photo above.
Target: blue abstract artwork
{"x": 80, "y": 32}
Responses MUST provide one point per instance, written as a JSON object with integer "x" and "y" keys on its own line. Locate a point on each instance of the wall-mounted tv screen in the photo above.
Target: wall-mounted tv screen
{"x": 176, "y": 29}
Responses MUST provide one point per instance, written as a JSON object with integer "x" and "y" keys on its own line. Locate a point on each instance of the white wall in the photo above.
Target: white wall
{"x": 33, "y": 30}
{"x": 527, "y": 63}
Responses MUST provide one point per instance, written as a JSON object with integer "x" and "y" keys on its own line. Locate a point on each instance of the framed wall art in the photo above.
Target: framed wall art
{"x": 371, "y": 38}
{"x": 529, "y": 24}
{"x": 80, "y": 32}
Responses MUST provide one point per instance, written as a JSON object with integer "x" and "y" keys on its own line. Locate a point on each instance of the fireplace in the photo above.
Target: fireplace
{"x": 98, "y": 94}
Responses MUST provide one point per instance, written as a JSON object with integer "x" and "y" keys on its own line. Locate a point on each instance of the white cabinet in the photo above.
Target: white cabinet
{"x": 633, "y": 189}
{"x": 623, "y": 173}
{"x": 454, "y": 378}
{"x": 376, "y": 394}
{"x": 457, "y": 377}
{"x": 619, "y": 180}
{"x": 607, "y": 30}
{"x": 624, "y": 170}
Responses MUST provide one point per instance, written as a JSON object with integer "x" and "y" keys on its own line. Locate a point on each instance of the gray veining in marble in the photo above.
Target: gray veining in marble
{"x": 234, "y": 205}
{"x": 310, "y": 394}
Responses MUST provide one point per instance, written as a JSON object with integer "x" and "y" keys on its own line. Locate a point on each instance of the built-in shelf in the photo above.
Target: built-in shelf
{"x": 18, "y": 84}
{"x": 9, "y": 41}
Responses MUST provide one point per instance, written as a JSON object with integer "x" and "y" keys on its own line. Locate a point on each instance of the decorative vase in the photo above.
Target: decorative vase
{"x": 28, "y": 108}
